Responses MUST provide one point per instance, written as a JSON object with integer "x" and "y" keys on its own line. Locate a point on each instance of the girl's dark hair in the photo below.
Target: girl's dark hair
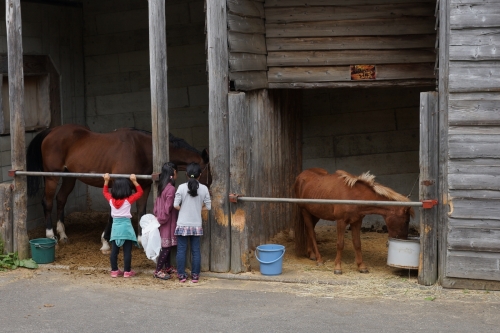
{"x": 166, "y": 176}
{"x": 122, "y": 188}
{"x": 193, "y": 171}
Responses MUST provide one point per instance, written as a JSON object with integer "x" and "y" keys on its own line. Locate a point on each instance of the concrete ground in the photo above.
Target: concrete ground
{"x": 58, "y": 300}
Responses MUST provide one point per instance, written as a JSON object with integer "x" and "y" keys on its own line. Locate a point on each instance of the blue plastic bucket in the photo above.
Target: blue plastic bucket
{"x": 270, "y": 257}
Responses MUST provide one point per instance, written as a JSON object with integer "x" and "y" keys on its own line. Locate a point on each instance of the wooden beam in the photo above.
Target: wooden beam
{"x": 218, "y": 86}
{"x": 17, "y": 136}
{"x": 428, "y": 263}
{"x": 353, "y": 84}
{"x": 6, "y": 234}
{"x": 159, "y": 87}
{"x": 251, "y": 80}
{"x": 311, "y": 3}
{"x": 239, "y": 138}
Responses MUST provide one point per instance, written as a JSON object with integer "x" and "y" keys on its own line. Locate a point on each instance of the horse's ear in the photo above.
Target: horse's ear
{"x": 204, "y": 155}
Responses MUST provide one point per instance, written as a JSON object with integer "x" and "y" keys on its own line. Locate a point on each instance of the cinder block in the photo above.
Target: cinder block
{"x": 117, "y": 83}
{"x": 408, "y": 118}
{"x": 185, "y": 34}
{"x": 5, "y": 158}
{"x": 177, "y": 14}
{"x": 5, "y": 173}
{"x": 123, "y": 103}
{"x": 326, "y": 163}
{"x": 381, "y": 164}
{"x": 198, "y": 95}
{"x": 318, "y": 147}
{"x": 184, "y": 55}
{"x": 32, "y": 45}
{"x": 108, "y": 123}
{"x": 143, "y": 120}
{"x": 200, "y": 137}
{"x": 134, "y": 61}
{"x": 188, "y": 117}
{"x": 4, "y": 142}
{"x": 101, "y": 64}
{"x": 140, "y": 80}
{"x": 178, "y": 98}
{"x": 109, "y": 23}
{"x": 187, "y": 76}
{"x": 196, "y": 8}
{"x": 117, "y": 42}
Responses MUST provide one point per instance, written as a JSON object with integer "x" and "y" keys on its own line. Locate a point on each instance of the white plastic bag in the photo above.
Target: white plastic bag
{"x": 151, "y": 240}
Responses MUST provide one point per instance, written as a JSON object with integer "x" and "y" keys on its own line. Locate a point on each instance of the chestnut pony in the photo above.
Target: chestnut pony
{"x": 318, "y": 184}
{"x": 74, "y": 148}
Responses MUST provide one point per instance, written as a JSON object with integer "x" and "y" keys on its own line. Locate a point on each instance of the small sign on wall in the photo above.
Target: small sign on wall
{"x": 362, "y": 72}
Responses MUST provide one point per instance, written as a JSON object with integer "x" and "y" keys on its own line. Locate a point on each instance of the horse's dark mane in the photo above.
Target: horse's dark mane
{"x": 175, "y": 141}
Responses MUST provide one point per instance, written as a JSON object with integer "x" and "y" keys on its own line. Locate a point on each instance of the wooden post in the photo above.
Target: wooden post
{"x": 429, "y": 145}
{"x": 16, "y": 104}
{"x": 159, "y": 96}
{"x": 239, "y": 138}
{"x": 6, "y": 235}
{"x": 217, "y": 51}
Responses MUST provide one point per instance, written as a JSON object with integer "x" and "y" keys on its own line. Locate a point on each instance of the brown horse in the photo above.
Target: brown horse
{"x": 74, "y": 148}
{"x": 318, "y": 184}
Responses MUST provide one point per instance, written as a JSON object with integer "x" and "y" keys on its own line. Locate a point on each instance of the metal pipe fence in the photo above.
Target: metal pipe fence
{"x": 74, "y": 174}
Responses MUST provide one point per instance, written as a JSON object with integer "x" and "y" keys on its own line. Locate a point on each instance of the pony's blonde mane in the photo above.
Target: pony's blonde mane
{"x": 369, "y": 180}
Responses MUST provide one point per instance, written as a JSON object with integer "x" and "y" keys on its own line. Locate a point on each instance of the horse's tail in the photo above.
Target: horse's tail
{"x": 34, "y": 161}
{"x": 299, "y": 226}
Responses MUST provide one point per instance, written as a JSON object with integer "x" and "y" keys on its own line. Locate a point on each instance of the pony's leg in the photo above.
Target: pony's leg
{"x": 341, "y": 225}
{"x": 141, "y": 210}
{"x": 356, "y": 242}
{"x": 68, "y": 184}
{"x": 47, "y": 203}
{"x": 106, "y": 249}
{"x": 312, "y": 246}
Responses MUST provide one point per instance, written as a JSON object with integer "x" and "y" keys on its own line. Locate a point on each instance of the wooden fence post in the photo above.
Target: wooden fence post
{"x": 429, "y": 144}
{"x": 6, "y": 226}
{"x": 218, "y": 86}
{"x": 239, "y": 160}
{"x": 159, "y": 87}
{"x": 17, "y": 136}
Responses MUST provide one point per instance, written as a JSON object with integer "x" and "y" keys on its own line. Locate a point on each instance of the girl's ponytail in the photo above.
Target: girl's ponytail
{"x": 193, "y": 172}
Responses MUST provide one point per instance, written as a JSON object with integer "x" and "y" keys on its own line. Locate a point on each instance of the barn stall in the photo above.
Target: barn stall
{"x": 286, "y": 61}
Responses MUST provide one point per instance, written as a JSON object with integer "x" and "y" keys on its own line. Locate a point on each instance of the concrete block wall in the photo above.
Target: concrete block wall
{"x": 116, "y": 46}
{"x": 56, "y": 31}
{"x": 359, "y": 130}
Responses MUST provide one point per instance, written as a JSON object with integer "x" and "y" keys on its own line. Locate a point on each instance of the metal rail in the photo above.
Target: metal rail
{"x": 13, "y": 173}
{"x": 424, "y": 204}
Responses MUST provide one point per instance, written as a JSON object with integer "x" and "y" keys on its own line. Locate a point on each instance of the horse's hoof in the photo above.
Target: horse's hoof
{"x": 364, "y": 270}
{"x": 320, "y": 263}
{"x": 337, "y": 271}
{"x": 64, "y": 240}
{"x": 105, "y": 252}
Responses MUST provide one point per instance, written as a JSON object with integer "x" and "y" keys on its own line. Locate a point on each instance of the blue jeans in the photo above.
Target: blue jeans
{"x": 182, "y": 242}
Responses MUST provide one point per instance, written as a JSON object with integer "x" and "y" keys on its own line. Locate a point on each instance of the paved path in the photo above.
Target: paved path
{"x": 58, "y": 301}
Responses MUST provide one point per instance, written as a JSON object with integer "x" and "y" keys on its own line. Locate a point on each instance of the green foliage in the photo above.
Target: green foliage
{"x": 1, "y": 245}
{"x": 11, "y": 261}
{"x": 430, "y": 298}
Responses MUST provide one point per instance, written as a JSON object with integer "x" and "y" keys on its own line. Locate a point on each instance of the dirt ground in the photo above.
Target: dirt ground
{"x": 81, "y": 260}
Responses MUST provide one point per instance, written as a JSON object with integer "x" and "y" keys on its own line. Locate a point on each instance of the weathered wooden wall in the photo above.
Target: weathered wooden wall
{"x": 361, "y": 130}
{"x": 473, "y": 228}
{"x": 116, "y": 45}
{"x": 55, "y": 31}
{"x": 312, "y": 44}
{"x": 247, "y": 45}
{"x": 265, "y": 137}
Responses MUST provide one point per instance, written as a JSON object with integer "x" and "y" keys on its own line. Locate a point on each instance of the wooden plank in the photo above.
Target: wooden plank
{"x": 474, "y": 167}
{"x": 348, "y": 57}
{"x": 474, "y": 209}
{"x": 341, "y": 13}
{"x": 55, "y": 94}
{"x": 474, "y": 113}
{"x": 480, "y": 15}
{"x": 473, "y": 265}
{"x": 248, "y": 25}
{"x": 469, "y": 284}
{"x": 353, "y": 84}
{"x": 17, "y": 131}
{"x": 246, "y": 81}
{"x": 159, "y": 86}
{"x": 474, "y": 239}
{"x": 239, "y": 62}
{"x": 342, "y": 73}
{"x": 472, "y": 130}
{"x": 475, "y": 37}
{"x": 473, "y": 181}
{"x": 218, "y": 85}
{"x": 246, "y": 8}
{"x": 247, "y": 43}
{"x": 428, "y": 261}
{"x": 6, "y": 223}
{"x": 474, "y": 53}
{"x": 239, "y": 164}
{"x": 375, "y": 27}
{"x": 473, "y": 146}
{"x": 474, "y": 223}
{"x": 472, "y": 77}
{"x": 311, "y": 3}
{"x": 350, "y": 42}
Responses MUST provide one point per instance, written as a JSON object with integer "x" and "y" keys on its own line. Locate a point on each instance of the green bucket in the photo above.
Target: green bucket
{"x": 43, "y": 250}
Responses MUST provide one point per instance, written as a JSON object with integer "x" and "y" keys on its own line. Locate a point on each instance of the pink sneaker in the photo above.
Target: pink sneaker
{"x": 117, "y": 273}
{"x": 128, "y": 274}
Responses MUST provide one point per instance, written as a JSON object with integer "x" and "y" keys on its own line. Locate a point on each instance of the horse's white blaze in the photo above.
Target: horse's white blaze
{"x": 49, "y": 233}
{"x": 105, "y": 245}
{"x": 61, "y": 231}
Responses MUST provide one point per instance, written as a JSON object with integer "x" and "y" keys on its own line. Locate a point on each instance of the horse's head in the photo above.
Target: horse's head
{"x": 399, "y": 221}
{"x": 206, "y": 174}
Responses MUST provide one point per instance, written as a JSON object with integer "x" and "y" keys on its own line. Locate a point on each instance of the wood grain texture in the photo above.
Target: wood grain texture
{"x": 474, "y": 76}
{"x": 218, "y": 86}
{"x": 350, "y": 42}
{"x": 17, "y": 128}
{"x": 6, "y": 222}
{"x": 353, "y": 84}
{"x": 239, "y": 62}
{"x": 293, "y": 3}
{"x": 246, "y": 8}
{"x": 247, "y": 43}
{"x": 473, "y": 265}
{"x": 246, "y": 81}
{"x": 479, "y": 15}
{"x": 248, "y": 25}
